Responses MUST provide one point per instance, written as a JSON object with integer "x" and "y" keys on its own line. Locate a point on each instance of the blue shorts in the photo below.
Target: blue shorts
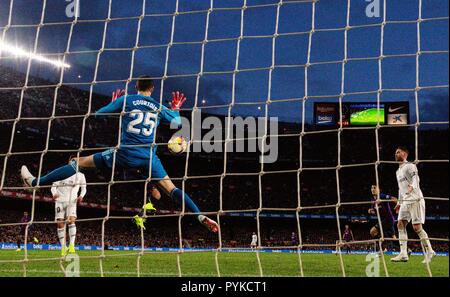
{"x": 124, "y": 160}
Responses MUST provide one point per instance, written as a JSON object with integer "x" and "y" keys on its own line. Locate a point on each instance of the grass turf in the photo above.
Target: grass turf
{"x": 121, "y": 263}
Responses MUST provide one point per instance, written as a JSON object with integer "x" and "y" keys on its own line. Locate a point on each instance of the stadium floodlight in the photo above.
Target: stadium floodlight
{"x": 18, "y": 52}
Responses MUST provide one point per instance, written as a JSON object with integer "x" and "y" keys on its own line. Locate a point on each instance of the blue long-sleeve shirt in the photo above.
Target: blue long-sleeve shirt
{"x": 140, "y": 121}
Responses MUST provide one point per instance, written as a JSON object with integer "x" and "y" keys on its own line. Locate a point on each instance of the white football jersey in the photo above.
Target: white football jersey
{"x": 254, "y": 238}
{"x": 68, "y": 188}
{"x": 407, "y": 175}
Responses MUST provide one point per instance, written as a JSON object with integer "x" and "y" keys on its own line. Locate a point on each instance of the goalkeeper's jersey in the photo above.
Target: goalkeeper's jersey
{"x": 407, "y": 175}
{"x": 68, "y": 189}
{"x": 140, "y": 122}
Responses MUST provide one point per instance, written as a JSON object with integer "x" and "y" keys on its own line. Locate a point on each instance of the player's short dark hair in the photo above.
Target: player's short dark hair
{"x": 144, "y": 83}
{"x": 403, "y": 148}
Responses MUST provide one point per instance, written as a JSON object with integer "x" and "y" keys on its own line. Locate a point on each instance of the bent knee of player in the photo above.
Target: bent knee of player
{"x": 374, "y": 232}
{"x": 72, "y": 220}
{"x": 60, "y": 223}
{"x": 156, "y": 194}
{"x": 401, "y": 225}
{"x": 417, "y": 227}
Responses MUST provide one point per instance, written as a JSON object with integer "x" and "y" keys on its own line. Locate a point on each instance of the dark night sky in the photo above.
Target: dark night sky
{"x": 251, "y": 86}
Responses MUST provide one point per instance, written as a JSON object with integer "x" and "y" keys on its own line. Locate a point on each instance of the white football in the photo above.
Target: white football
{"x": 177, "y": 145}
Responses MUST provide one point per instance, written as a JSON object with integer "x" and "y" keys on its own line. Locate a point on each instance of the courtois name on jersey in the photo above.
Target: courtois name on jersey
{"x": 407, "y": 175}
{"x": 140, "y": 121}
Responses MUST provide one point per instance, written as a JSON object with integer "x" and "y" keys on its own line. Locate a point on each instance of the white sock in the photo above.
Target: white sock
{"x": 62, "y": 236}
{"x": 403, "y": 241}
{"x": 72, "y": 233}
{"x": 425, "y": 241}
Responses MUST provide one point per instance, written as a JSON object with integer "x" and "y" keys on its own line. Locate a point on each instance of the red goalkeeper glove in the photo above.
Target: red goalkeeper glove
{"x": 117, "y": 94}
{"x": 177, "y": 100}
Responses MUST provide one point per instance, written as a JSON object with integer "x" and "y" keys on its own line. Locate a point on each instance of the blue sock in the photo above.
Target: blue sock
{"x": 57, "y": 174}
{"x": 177, "y": 195}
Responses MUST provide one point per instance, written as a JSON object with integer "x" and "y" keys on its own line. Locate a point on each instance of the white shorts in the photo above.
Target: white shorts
{"x": 65, "y": 210}
{"x": 413, "y": 212}
{"x": 253, "y": 243}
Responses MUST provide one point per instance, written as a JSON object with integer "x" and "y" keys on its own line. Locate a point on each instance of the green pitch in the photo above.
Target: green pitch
{"x": 121, "y": 263}
{"x": 367, "y": 117}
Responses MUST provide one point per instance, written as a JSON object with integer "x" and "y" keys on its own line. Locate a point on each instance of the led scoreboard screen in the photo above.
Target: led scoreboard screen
{"x": 361, "y": 113}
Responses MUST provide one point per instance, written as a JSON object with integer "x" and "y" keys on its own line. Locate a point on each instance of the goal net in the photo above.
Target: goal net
{"x": 294, "y": 110}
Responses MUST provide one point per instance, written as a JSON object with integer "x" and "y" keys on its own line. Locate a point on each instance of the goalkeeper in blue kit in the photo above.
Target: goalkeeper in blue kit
{"x": 142, "y": 117}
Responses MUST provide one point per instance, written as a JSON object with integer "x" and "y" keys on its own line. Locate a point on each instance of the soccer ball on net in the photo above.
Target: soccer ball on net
{"x": 177, "y": 145}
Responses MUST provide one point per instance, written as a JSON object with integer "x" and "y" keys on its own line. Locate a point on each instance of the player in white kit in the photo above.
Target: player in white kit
{"x": 254, "y": 241}
{"x": 65, "y": 193}
{"x": 410, "y": 206}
